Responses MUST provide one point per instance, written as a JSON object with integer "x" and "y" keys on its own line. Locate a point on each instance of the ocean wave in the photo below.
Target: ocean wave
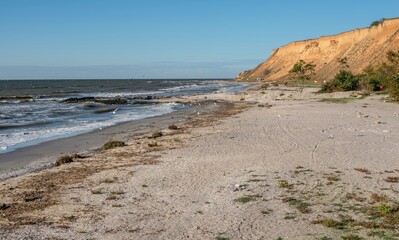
{"x": 186, "y": 87}
{"x": 120, "y": 94}
{"x": 10, "y": 140}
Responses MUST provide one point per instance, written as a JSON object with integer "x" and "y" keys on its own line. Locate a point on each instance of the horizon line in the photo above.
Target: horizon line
{"x": 57, "y": 79}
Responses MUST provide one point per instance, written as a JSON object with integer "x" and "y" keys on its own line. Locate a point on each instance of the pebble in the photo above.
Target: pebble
{"x": 238, "y": 187}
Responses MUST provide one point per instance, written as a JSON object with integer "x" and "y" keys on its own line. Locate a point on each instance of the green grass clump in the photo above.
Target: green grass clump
{"x": 337, "y": 100}
{"x": 384, "y": 92}
{"x": 117, "y": 192}
{"x": 282, "y": 184}
{"x": 344, "y": 223}
{"x": 247, "y": 198}
{"x": 113, "y": 144}
{"x": 300, "y": 205}
{"x": 289, "y": 216}
{"x": 379, "y": 234}
{"x": 221, "y": 238}
{"x": 351, "y": 237}
{"x": 96, "y": 191}
{"x": 384, "y": 208}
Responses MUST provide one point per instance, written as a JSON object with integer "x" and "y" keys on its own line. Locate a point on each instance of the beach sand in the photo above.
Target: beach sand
{"x": 43, "y": 155}
{"x": 273, "y": 164}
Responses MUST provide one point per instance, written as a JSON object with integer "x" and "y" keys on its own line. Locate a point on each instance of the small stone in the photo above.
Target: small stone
{"x": 237, "y": 187}
{"x": 4, "y": 206}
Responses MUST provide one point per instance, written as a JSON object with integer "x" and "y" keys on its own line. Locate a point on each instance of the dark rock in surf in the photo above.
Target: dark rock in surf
{"x": 144, "y": 97}
{"x": 78, "y": 100}
{"x": 111, "y": 101}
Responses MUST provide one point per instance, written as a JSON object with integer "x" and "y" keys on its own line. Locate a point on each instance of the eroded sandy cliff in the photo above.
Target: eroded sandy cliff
{"x": 361, "y": 47}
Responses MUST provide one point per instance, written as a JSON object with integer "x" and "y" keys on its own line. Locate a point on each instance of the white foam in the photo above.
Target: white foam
{"x": 13, "y": 140}
{"x": 121, "y": 94}
{"x": 184, "y": 87}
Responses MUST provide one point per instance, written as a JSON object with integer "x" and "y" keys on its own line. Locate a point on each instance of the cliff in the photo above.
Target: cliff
{"x": 361, "y": 47}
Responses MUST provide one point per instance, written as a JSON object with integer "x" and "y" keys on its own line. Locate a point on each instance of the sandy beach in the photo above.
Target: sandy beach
{"x": 270, "y": 163}
{"x": 37, "y": 157}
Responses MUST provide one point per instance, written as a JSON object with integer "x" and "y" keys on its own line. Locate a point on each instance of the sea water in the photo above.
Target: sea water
{"x": 35, "y": 111}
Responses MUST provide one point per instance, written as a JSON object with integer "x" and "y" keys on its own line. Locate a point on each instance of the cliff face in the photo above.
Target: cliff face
{"x": 361, "y": 47}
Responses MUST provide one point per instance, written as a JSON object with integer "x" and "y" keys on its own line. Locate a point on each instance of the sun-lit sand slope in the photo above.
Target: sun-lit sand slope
{"x": 278, "y": 163}
{"x": 361, "y": 47}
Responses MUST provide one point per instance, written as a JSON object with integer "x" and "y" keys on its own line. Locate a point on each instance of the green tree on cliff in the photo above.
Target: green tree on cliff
{"x": 302, "y": 71}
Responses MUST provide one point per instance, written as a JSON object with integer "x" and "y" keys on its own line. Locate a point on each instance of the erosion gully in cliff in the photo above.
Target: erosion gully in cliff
{"x": 361, "y": 47}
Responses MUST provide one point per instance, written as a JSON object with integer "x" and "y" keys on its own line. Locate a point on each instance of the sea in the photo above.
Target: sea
{"x": 36, "y": 111}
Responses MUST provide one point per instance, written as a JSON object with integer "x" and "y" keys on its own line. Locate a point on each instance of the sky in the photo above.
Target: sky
{"x": 61, "y": 39}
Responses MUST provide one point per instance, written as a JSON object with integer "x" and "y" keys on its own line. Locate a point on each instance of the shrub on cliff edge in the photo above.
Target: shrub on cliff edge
{"x": 377, "y": 22}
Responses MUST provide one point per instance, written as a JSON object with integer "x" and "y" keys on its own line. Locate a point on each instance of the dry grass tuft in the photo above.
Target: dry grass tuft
{"x": 63, "y": 160}
{"x": 378, "y": 198}
{"x": 156, "y": 135}
{"x": 392, "y": 179}
{"x": 363, "y": 170}
{"x": 173, "y": 127}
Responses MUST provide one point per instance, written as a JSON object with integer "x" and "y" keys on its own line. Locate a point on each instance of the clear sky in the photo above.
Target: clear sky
{"x": 164, "y": 38}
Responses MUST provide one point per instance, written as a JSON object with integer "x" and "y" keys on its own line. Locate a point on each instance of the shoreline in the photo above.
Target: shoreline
{"x": 43, "y": 155}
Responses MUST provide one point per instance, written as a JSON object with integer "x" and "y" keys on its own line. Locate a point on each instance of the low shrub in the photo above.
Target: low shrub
{"x": 63, "y": 160}
{"x": 156, "y": 134}
{"x": 173, "y": 127}
{"x": 343, "y": 81}
{"x": 67, "y": 159}
{"x": 113, "y": 144}
{"x": 393, "y": 89}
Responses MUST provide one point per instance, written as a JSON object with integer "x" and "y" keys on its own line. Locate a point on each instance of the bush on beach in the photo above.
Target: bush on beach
{"x": 343, "y": 81}
{"x": 113, "y": 144}
{"x": 373, "y": 78}
{"x": 67, "y": 159}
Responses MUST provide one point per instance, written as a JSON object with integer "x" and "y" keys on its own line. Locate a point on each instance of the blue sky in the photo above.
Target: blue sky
{"x": 164, "y": 38}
